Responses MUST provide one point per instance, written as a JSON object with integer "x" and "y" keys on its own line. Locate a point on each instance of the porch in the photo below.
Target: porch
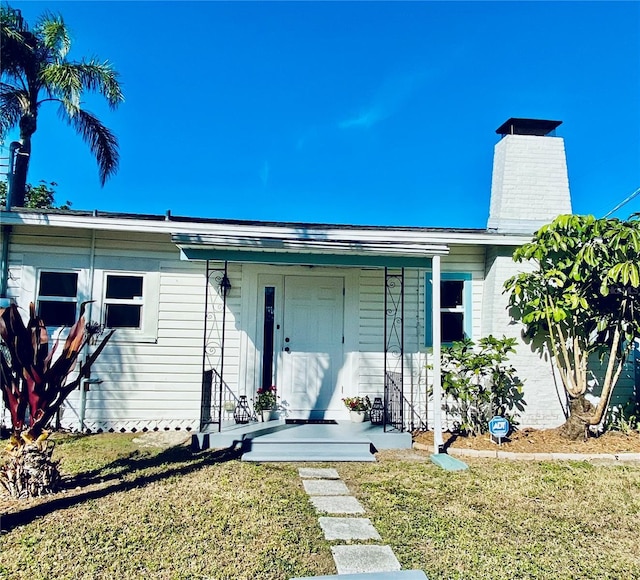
{"x": 283, "y": 440}
{"x": 321, "y": 314}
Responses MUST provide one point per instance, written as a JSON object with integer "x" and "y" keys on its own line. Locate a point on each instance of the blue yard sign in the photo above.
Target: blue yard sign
{"x": 499, "y": 427}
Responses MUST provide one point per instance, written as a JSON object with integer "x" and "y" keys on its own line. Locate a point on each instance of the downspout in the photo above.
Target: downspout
{"x": 6, "y": 230}
{"x": 4, "y": 266}
{"x": 86, "y": 381}
{"x": 438, "y": 442}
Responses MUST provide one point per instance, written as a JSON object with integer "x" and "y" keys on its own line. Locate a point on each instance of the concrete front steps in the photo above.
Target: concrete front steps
{"x": 280, "y": 448}
{"x": 281, "y": 441}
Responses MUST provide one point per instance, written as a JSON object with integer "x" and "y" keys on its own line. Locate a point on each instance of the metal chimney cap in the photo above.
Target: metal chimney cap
{"x": 516, "y": 126}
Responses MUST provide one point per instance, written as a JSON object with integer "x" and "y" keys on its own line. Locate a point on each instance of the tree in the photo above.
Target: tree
{"x": 34, "y": 70}
{"x": 34, "y": 383}
{"x": 581, "y": 301}
{"x": 41, "y": 196}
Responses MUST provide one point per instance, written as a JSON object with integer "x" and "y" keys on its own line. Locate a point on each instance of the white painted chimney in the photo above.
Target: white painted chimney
{"x": 530, "y": 186}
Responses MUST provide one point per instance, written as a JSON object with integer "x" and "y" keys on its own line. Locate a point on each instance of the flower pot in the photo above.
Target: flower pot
{"x": 356, "y": 416}
{"x": 269, "y": 415}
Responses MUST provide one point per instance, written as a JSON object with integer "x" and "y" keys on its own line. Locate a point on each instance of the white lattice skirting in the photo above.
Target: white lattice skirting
{"x": 133, "y": 426}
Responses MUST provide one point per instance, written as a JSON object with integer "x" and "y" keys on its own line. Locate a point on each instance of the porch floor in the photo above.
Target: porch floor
{"x": 279, "y": 441}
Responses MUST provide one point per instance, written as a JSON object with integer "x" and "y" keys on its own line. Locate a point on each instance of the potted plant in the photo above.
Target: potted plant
{"x": 358, "y": 407}
{"x": 265, "y": 403}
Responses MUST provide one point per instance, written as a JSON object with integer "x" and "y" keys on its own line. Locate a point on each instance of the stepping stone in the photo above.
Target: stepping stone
{"x": 358, "y": 559}
{"x": 448, "y": 463}
{"x": 325, "y": 487}
{"x": 395, "y": 575}
{"x": 348, "y": 529}
{"x": 337, "y": 504}
{"x": 318, "y": 473}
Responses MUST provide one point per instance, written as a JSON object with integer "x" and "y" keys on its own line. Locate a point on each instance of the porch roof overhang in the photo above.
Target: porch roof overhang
{"x": 309, "y": 250}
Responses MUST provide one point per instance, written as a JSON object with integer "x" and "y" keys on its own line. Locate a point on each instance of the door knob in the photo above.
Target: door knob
{"x": 286, "y": 349}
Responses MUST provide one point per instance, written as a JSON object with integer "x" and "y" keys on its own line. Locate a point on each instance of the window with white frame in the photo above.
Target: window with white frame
{"x": 123, "y": 301}
{"x": 455, "y": 307}
{"x": 130, "y": 304}
{"x": 57, "y": 297}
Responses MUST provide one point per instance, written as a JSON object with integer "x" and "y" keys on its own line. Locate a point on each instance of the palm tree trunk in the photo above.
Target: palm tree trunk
{"x": 18, "y": 184}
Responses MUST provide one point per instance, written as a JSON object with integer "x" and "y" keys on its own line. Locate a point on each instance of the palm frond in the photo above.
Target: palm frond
{"x": 54, "y": 34}
{"x": 11, "y": 99}
{"x": 17, "y": 43}
{"x": 102, "y": 142}
{"x": 102, "y": 78}
{"x": 61, "y": 80}
{"x": 68, "y": 80}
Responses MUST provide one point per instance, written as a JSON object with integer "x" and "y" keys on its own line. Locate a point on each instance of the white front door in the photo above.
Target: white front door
{"x": 312, "y": 347}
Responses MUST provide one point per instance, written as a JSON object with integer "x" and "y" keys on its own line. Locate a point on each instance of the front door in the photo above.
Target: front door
{"x": 312, "y": 346}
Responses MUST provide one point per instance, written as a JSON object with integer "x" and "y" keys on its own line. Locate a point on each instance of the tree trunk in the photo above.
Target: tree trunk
{"x": 29, "y": 471}
{"x": 18, "y": 182}
{"x": 577, "y": 424}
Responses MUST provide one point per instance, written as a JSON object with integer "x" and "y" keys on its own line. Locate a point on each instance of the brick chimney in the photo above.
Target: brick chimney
{"x": 529, "y": 186}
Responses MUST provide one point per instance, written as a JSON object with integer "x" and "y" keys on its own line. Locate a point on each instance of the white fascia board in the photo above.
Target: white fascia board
{"x": 412, "y": 236}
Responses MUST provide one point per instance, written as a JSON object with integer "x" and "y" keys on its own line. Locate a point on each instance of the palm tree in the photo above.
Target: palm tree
{"x": 35, "y": 70}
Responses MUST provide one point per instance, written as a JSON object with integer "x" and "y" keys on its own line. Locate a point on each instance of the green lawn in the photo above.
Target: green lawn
{"x": 140, "y": 513}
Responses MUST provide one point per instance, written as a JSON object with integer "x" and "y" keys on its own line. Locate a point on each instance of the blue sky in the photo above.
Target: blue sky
{"x": 380, "y": 113}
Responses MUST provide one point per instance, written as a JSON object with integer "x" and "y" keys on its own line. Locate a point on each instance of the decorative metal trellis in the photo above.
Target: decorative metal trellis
{"x": 217, "y": 397}
{"x": 394, "y": 349}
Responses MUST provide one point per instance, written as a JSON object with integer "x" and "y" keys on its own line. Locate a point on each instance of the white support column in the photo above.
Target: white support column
{"x": 436, "y": 333}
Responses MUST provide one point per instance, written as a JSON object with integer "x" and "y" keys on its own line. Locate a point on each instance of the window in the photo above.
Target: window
{"x": 123, "y": 302}
{"x": 129, "y": 304}
{"x": 455, "y": 307}
{"x": 58, "y": 298}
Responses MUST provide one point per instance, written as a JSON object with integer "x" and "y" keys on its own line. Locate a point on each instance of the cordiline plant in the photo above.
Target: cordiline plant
{"x": 35, "y": 381}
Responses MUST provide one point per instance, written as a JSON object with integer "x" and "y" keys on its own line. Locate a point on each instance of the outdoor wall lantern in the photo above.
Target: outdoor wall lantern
{"x": 377, "y": 412}
{"x": 225, "y": 285}
{"x": 242, "y": 414}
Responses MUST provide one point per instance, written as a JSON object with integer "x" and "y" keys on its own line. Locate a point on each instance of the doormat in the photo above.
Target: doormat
{"x": 310, "y": 422}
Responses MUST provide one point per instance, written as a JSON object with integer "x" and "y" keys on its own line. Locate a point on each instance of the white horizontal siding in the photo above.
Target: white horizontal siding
{"x": 465, "y": 259}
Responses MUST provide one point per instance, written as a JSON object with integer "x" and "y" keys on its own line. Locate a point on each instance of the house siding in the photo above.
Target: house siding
{"x": 463, "y": 259}
{"x": 144, "y": 385}
{"x": 155, "y": 381}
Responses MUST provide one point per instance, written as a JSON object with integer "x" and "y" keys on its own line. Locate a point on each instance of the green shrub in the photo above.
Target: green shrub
{"x": 479, "y": 383}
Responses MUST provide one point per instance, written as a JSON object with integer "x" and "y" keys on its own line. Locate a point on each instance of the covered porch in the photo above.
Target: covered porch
{"x": 341, "y": 253}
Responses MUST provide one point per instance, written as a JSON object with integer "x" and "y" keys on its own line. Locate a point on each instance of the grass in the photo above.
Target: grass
{"x": 151, "y": 513}
{"x": 506, "y": 519}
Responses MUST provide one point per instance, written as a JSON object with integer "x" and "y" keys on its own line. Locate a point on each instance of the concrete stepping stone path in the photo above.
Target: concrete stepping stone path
{"x": 330, "y": 495}
{"x": 337, "y": 504}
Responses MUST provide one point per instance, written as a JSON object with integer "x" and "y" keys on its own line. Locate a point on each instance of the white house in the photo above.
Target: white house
{"x": 209, "y": 310}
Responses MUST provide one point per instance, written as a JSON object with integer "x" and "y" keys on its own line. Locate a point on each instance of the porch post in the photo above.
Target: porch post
{"x": 438, "y": 442}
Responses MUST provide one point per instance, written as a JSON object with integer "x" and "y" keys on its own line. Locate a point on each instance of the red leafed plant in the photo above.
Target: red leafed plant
{"x": 34, "y": 384}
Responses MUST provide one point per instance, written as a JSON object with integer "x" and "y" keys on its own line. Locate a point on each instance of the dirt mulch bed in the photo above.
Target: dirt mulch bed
{"x": 541, "y": 441}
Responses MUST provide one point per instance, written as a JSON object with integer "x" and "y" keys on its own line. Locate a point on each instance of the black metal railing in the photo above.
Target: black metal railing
{"x": 394, "y": 348}
{"x": 218, "y": 400}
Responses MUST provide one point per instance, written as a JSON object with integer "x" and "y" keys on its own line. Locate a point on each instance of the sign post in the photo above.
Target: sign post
{"x": 499, "y": 427}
